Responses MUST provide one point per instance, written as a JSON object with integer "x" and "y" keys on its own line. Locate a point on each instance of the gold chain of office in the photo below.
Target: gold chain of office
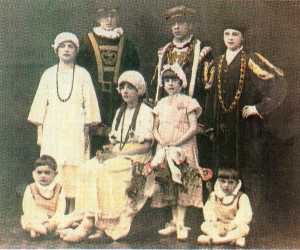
{"x": 173, "y": 56}
{"x": 240, "y": 87}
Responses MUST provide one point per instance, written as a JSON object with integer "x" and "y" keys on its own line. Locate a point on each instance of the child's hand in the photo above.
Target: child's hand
{"x": 108, "y": 147}
{"x": 147, "y": 169}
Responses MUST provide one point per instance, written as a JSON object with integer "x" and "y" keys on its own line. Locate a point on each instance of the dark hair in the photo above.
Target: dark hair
{"x": 46, "y": 160}
{"x": 170, "y": 74}
{"x": 229, "y": 173}
{"x": 121, "y": 85}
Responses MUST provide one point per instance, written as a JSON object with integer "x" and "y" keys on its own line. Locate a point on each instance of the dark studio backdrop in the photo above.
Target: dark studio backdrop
{"x": 29, "y": 27}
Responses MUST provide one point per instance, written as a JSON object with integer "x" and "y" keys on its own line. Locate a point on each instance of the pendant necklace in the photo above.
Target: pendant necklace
{"x": 57, "y": 90}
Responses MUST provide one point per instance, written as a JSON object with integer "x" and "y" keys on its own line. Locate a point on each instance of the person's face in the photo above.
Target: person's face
{"x": 172, "y": 85}
{"x": 45, "y": 175}
{"x": 181, "y": 30}
{"x": 129, "y": 93}
{"x": 227, "y": 185}
{"x": 67, "y": 52}
{"x": 233, "y": 39}
{"x": 108, "y": 22}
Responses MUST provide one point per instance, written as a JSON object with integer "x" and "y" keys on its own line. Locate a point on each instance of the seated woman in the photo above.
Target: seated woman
{"x": 103, "y": 181}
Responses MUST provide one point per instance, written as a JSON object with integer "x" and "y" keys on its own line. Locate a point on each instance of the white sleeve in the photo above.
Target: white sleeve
{"x": 113, "y": 131}
{"x": 40, "y": 102}
{"x": 28, "y": 204}
{"x": 91, "y": 107}
{"x": 144, "y": 126}
{"x": 244, "y": 213}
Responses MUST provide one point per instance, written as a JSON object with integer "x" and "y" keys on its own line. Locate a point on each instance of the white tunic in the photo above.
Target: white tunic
{"x": 63, "y": 122}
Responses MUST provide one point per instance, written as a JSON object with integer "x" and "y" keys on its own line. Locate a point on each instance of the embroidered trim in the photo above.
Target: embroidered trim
{"x": 277, "y": 70}
{"x": 159, "y": 67}
{"x": 197, "y": 60}
{"x": 99, "y": 59}
{"x": 240, "y": 86}
{"x": 257, "y": 70}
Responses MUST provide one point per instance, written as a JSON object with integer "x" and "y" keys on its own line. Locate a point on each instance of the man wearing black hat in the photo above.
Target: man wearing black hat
{"x": 196, "y": 60}
{"x": 106, "y": 54}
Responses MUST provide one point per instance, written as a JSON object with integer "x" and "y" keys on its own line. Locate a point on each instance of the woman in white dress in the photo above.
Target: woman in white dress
{"x": 102, "y": 192}
{"x": 64, "y": 107}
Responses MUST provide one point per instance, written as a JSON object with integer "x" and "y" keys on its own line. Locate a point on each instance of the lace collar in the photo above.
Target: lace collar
{"x": 183, "y": 44}
{"x": 226, "y": 199}
{"x": 110, "y": 34}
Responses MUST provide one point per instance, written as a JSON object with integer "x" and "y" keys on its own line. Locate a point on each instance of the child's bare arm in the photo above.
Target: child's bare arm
{"x": 192, "y": 117}
{"x": 156, "y": 135}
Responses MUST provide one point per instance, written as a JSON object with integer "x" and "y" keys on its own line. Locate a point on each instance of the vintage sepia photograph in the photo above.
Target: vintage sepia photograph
{"x": 149, "y": 124}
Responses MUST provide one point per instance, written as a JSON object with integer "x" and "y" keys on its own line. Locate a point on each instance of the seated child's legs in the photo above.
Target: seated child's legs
{"x": 209, "y": 228}
{"x": 211, "y": 232}
{"x": 239, "y": 232}
{"x": 234, "y": 235}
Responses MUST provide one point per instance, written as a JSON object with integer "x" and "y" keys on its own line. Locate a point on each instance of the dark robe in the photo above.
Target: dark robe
{"x": 238, "y": 141}
{"x": 107, "y": 94}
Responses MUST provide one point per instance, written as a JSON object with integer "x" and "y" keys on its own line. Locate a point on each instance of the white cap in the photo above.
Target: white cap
{"x": 65, "y": 37}
{"x": 178, "y": 72}
{"x": 134, "y": 78}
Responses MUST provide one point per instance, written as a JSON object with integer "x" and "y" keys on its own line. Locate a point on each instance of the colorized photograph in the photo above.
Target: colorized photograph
{"x": 135, "y": 124}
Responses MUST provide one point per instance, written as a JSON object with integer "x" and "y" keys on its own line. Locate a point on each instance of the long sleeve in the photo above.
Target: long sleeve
{"x": 91, "y": 107}
{"x": 40, "y": 102}
{"x": 244, "y": 213}
{"x": 270, "y": 82}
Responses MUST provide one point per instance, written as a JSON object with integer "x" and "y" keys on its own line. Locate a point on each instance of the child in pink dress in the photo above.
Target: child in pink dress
{"x": 175, "y": 126}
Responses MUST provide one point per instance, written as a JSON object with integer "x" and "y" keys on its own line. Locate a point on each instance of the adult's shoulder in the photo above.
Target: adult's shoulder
{"x": 81, "y": 70}
{"x": 162, "y": 49}
{"x": 49, "y": 71}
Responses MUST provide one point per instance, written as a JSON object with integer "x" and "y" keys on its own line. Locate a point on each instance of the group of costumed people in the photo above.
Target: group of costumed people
{"x": 203, "y": 119}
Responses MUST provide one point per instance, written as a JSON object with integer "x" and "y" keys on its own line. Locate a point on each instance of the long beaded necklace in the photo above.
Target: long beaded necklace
{"x": 240, "y": 86}
{"x": 57, "y": 90}
{"x": 131, "y": 127}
